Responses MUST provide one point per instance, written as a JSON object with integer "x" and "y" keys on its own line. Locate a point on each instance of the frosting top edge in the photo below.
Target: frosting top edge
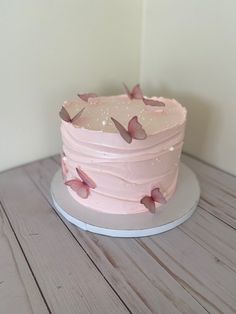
{"x": 98, "y": 112}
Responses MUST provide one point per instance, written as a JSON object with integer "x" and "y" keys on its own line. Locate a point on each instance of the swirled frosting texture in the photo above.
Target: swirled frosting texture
{"x": 123, "y": 172}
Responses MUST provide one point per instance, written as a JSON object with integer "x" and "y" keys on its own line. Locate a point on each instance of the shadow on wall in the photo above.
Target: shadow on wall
{"x": 201, "y": 117}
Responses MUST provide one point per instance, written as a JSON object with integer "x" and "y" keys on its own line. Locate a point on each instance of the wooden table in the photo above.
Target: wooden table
{"x": 48, "y": 265}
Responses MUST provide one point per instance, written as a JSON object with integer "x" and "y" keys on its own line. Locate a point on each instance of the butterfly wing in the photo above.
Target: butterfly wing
{"x": 149, "y": 203}
{"x": 64, "y": 114}
{"x": 86, "y": 179}
{"x": 158, "y": 196}
{"x": 79, "y": 187}
{"x": 136, "y": 130}
{"x": 77, "y": 116}
{"x": 127, "y": 90}
{"x": 136, "y": 92}
{"x": 85, "y": 97}
{"x": 153, "y": 102}
{"x": 123, "y": 132}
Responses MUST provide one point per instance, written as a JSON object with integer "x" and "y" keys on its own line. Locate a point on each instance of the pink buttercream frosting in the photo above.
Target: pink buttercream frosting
{"x": 124, "y": 173}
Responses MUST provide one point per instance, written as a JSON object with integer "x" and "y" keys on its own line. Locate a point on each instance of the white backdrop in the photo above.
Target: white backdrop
{"x": 50, "y": 50}
{"x": 189, "y": 52}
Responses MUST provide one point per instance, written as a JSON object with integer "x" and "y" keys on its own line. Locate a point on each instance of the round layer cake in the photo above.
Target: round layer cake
{"x": 121, "y": 153}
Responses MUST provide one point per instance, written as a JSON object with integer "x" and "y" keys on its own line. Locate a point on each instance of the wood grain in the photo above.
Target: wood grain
{"x": 213, "y": 243}
{"x": 223, "y": 179}
{"x": 218, "y": 190}
{"x": 216, "y": 237}
{"x": 68, "y": 279}
{"x": 18, "y": 290}
{"x": 190, "y": 269}
{"x": 141, "y": 282}
{"x": 202, "y": 274}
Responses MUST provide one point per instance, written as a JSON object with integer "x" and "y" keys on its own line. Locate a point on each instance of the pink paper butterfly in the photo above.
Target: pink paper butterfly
{"x": 137, "y": 93}
{"x": 66, "y": 117}
{"x": 81, "y": 186}
{"x": 135, "y": 130}
{"x": 153, "y": 102}
{"x": 63, "y": 165}
{"x": 85, "y": 97}
{"x": 149, "y": 201}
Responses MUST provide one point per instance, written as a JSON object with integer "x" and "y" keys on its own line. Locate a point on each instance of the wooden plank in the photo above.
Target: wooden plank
{"x": 201, "y": 273}
{"x": 67, "y": 277}
{"x": 225, "y": 180}
{"x": 18, "y": 290}
{"x": 218, "y": 203}
{"x": 218, "y": 190}
{"x": 126, "y": 261}
{"x": 141, "y": 282}
{"x": 216, "y": 237}
{"x": 205, "y": 264}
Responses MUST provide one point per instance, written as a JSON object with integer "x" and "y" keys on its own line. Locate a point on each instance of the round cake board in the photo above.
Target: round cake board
{"x": 178, "y": 209}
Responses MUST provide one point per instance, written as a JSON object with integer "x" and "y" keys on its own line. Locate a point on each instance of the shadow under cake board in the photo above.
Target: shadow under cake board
{"x": 178, "y": 209}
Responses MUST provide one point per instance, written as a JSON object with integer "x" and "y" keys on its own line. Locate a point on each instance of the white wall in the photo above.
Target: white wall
{"x": 189, "y": 53}
{"x": 49, "y": 51}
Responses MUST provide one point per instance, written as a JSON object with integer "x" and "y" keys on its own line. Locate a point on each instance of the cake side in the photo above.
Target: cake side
{"x": 124, "y": 173}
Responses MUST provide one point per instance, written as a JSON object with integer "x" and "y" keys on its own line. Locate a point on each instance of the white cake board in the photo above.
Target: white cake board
{"x": 178, "y": 209}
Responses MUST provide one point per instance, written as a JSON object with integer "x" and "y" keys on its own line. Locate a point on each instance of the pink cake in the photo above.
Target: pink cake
{"x": 121, "y": 153}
